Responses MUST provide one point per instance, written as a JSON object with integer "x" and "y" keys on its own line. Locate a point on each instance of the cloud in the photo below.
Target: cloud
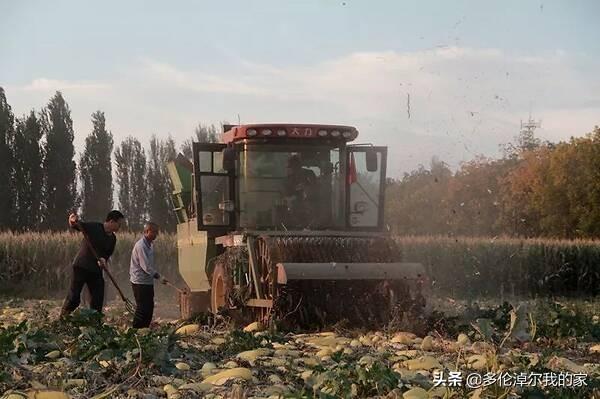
{"x": 471, "y": 99}
{"x": 450, "y": 81}
{"x": 197, "y": 81}
{"x": 454, "y": 102}
{"x": 44, "y": 84}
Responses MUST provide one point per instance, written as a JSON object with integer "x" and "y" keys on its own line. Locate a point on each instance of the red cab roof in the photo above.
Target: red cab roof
{"x": 277, "y": 131}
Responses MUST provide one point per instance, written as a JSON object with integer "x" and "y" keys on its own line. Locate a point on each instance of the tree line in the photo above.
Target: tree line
{"x": 42, "y": 180}
{"x": 536, "y": 189}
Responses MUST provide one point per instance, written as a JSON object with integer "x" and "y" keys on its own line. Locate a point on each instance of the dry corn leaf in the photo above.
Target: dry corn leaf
{"x": 309, "y": 361}
{"x": 324, "y": 352}
{"x": 254, "y": 327}
{"x": 415, "y": 393}
{"x": 161, "y": 380}
{"x": 367, "y": 360}
{"x": 410, "y": 353}
{"x": 404, "y": 338}
{"x": 439, "y": 392}
{"x": 143, "y": 331}
{"x": 207, "y": 369}
{"x": 480, "y": 347}
{"x": 53, "y": 355}
{"x": 326, "y": 334}
{"x": 47, "y": 395}
{"x": 463, "y": 340}
{"x": 276, "y": 362}
{"x": 560, "y": 363}
{"x": 188, "y": 329}
{"x": 224, "y": 376}
{"x": 282, "y": 353}
{"x": 322, "y": 342}
{"x": 182, "y": 366}
{"x": 38, "y": 385}
{"x": 197, "y": 387}
{"x": 534, "y": 359}
{"x": 427, "y": 343}
{"x": 476, "y": 393}
{"x": 276, "y": 391}
{"x": 423, "y": 363}
{"x": 306, "y": 374}
{"x": 14, "y": 395}
{"x": 477, "y": 362}
{"x": 251, "y": 356}
{"x": 107, "y": 393}
{"x": 169, "y": 388}
{"x": 74, "y": 383}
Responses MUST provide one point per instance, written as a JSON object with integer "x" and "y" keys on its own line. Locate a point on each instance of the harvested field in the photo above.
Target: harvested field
{"x": 471, "y": 330}
{"x": 87, "y": 358}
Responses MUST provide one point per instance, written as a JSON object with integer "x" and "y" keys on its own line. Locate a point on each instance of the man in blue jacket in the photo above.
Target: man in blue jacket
{"x": 142, "y": 273}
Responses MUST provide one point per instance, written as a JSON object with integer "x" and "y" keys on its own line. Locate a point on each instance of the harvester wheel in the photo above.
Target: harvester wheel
{"x": 220, "y": 289}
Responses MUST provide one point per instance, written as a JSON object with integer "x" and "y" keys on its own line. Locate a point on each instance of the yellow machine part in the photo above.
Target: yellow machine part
{"x": 192, "y": 249}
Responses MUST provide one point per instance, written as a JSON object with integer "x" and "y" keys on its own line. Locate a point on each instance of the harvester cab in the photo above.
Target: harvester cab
{"x": 285, "y": 222}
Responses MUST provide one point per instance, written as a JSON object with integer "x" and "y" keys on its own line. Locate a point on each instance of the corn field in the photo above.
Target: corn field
{"x": 38, "y": 264}
{"x": 507, "y": 267}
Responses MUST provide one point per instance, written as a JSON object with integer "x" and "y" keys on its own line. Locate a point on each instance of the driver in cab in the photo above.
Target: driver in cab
{"x": 299, "y": 187}
{"x": 299, "y": 180}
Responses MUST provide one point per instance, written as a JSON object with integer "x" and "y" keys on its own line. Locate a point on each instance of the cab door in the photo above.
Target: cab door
{"x": 365, "y": 187}
{"x": 214, "y": 189}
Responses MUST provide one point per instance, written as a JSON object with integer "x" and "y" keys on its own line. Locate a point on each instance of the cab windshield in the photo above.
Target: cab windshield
{"x": 285, "y": 187}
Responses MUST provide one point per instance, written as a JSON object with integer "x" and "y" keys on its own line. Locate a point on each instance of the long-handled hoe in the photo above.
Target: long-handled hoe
{"x": 181, "y": 291}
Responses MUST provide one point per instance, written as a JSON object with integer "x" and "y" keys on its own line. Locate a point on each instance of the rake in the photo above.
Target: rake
{"x": 128, "y": 304}
{"x": 170, "y": 284}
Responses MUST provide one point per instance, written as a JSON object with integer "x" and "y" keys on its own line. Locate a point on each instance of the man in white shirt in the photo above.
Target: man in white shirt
{"x": 142, "y": 273}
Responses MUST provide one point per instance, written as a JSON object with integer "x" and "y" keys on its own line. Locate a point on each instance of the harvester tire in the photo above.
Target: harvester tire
{"x": 221, "y": 288}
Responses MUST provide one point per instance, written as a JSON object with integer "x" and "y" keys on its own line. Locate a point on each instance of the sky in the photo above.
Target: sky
{"x": 451, "y": 79}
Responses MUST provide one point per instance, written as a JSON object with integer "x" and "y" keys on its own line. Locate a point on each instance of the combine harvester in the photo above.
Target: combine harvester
{"x": 285, "y": 222}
